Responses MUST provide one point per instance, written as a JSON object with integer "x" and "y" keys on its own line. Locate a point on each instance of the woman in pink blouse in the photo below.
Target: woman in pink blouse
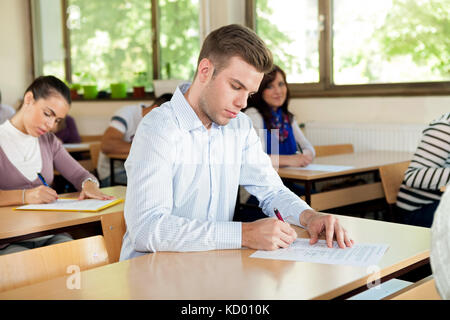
{"x": 27, "y": 147}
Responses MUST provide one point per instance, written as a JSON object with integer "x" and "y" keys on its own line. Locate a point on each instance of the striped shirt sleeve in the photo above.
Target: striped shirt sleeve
{"x": 430, "y": 167}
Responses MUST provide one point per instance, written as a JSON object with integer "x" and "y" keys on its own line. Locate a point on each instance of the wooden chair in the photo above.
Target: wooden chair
{"x": 90, "y": 138}
{"x": 114, "y": 228}
{"x": 44, "y": 263}
{"x": 333, "y": 149}
{"x": 391, "y": 178}
{"x": 424, "y": 289}
{"x": 94, "y": 149}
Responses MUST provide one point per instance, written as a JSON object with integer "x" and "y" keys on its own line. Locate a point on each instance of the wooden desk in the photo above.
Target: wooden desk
{"x": 362, "y": 162}
{"x": 231, "y": 274}
{"x": 20, "y": 225}
{"x": 113, "y": 157}
{"x": 77, "y": 147}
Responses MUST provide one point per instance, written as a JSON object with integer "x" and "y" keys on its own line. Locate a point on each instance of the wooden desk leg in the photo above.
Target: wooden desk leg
{"x": 113, "y": 227}
{"x": 111, "y": 173}
{"x": 308, "y": 186}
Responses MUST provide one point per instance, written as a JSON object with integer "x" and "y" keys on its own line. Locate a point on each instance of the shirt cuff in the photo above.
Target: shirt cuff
{"x": 291, "y": 213}
{"x": 295, "y": 219}
{"x": 228, "y": 235}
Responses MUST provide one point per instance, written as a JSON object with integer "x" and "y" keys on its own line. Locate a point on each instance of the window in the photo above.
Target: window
{"x": 286, "y": 26}
{"x": 179, "y": 38}
{"x": 111, "y": 41}
{"x": 353, "y": 47}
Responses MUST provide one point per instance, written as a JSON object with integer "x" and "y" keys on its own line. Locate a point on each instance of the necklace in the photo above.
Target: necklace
{"x": 280, "y": 121}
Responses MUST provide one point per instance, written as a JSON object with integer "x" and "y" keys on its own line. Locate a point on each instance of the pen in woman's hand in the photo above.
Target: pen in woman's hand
{"x": 42, "y": 179}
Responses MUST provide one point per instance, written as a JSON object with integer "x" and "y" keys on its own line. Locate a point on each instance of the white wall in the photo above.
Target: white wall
{"x": 418, "y": 110}
{"x": 223, "y": 12}
{"x": 15, "y": 53}
{"x": 92, "y": 117}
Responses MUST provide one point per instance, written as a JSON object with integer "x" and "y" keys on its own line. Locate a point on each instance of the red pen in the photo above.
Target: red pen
{"x": 277, "y": 213}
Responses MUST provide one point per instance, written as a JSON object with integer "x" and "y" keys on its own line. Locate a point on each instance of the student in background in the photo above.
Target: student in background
{"x": 67, "y": 131}
{"x": 27, "y": 148}
{"x": 278, "y": 130}
{"x": 119, "y": 135}
{"x": 6, "y": 111}
{"x": 429, "y": 170}
{"x": 189, "y": 157}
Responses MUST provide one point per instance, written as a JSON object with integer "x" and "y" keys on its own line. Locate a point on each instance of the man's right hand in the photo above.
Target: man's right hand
{"x": 267, "y": 234}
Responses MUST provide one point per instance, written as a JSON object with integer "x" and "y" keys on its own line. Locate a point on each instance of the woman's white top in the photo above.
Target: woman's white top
{"x": 440, "y": 246}
{"x": 258, "y": 124}
{"x": 21, "y": 149}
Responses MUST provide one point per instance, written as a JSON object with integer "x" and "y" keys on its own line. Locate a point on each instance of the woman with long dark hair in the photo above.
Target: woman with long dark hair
{"x": 276, "y": 126}
{"x": 27, "y": 147}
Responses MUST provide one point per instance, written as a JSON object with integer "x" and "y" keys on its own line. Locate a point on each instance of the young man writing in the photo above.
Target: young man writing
{"x": 189, "y": 157}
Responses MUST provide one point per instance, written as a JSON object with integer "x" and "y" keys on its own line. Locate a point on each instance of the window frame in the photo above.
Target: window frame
{"x": 156, "y": 52}
{"x": 326, "y": 88}
{"x": 154, "y": 40}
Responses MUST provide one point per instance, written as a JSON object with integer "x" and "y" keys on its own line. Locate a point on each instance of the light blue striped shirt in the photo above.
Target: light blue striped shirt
{"x": 183, "y": 182}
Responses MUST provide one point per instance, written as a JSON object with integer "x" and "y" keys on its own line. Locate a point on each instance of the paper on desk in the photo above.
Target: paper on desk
{"x": 322, "y": 167}
{"x": 76, "y": 145}
{"x": 89, "y": 205}
{"x": 361, "y": 254}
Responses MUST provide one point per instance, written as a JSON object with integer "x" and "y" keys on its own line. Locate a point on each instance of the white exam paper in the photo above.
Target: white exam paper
{"x": 322, "y": 167}
{"x": 360, "y": 254}
{"x": 75, "y": 145}
{"x": 69, "y": 204}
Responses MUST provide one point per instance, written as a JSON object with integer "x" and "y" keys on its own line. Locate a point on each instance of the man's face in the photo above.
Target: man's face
{"x": 226, "y": 93}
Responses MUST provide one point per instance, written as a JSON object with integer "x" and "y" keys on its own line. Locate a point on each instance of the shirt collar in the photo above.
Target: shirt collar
{"x": 184, "y": 113}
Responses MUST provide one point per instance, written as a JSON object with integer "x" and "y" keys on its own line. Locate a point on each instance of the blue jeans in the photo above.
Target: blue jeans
{"x": 422, "y": 217}
{"x": 36, "y": 243}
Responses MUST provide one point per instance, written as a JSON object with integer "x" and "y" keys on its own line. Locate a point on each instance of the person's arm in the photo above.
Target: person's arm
{"x": 293, "y": 160}
{"x": 428, "y": 169}
{"x": 261, "y": 180}
{"x": 300, "y": 159}
{"x": 41, "y": 194}
{"x": 305, "y": 145}
{"x": 112, "y": 142}
{"x": 151, "y": 225}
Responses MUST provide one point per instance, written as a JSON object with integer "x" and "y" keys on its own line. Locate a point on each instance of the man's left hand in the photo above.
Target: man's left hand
{"x": 317, "y": 223}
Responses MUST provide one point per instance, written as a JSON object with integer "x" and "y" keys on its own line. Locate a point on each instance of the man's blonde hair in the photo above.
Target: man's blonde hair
{"x": 236, "y": 41}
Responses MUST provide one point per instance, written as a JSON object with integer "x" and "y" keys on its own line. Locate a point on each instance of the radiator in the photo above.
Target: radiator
{"x": 366, "y": 136}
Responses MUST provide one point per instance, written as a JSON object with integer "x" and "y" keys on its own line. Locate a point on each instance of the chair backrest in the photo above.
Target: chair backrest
{"x": 391, "y": 178}
{"x": 333, "y": 149}
{"x": 44, "y": 263}
{"x": 90, "y": 138}
{"x": 94, "y": 149}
